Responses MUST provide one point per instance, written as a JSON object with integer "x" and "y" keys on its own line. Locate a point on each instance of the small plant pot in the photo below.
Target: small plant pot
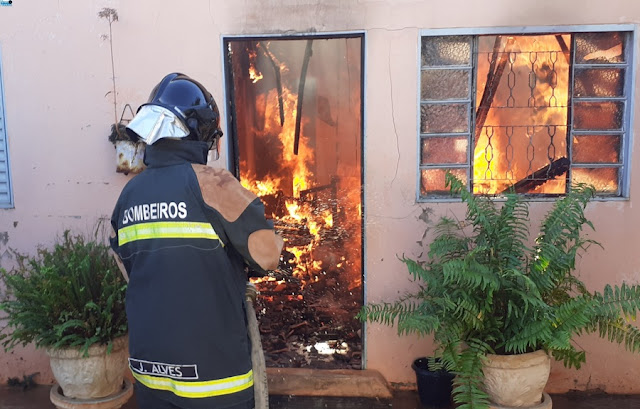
{"x": 434, "y": 387}
{"x": 129, "y": 156}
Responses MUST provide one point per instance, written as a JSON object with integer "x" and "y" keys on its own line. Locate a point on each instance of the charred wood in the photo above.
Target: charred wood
{"x": 496, "y": 69}
{"x": 276, "y": 69}
{"x": 564, "y": 47}
{"x": 556, "y": 168}
{"x": 303, "y": 80}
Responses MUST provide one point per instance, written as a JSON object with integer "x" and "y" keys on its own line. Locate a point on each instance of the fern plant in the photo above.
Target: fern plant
{"x": 485, "y": 291}
{"x": 69, "y": 296}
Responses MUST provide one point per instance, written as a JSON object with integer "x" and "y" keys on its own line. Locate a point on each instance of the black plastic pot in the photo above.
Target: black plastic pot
{"x": 434, "y": 387}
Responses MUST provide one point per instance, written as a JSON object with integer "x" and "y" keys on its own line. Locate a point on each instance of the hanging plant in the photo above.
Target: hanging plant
{"x": 129, "y": 153}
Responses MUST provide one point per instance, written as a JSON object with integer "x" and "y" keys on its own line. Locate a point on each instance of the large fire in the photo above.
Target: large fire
{"x": 523, "y": 87}
{"x": 294, "y": 154}
{"x": 524, "y": 127}
{"x": 301, "y": 214}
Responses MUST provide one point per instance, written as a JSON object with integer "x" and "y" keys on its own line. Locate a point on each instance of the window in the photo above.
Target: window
{"x": 533, "y": 111}
{"x": 6, "y": 197}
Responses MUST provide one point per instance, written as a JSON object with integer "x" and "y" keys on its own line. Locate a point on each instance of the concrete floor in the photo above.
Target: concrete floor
{"x": 37, "y": 397}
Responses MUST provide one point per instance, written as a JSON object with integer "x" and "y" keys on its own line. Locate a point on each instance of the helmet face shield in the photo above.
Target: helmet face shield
{"x": 153, "y": 122}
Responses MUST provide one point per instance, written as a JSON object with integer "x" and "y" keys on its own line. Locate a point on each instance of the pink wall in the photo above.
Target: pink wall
{"x": 56, "y": 72}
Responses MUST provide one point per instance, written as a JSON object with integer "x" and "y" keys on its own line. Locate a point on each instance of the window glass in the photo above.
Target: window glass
{"x": 449, "y": 50}
{"x": 597, "y": 148}
{"x": 599, "y": 82}
{"x": 598, "y": 115}
{"x": 432, "y": 180}
{"x": 605, "y": 180}
{"x": 600, "y": 48}
{"x": 6, "y": 197}
{"x": 445, "y": 84}
{"x": 444, "y": 150}
{"x": 447, "y": 118}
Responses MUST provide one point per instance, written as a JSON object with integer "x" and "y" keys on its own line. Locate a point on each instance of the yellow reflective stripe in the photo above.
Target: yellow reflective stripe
{"x": 166, "y": 230}
{"x": 203, "y": 389}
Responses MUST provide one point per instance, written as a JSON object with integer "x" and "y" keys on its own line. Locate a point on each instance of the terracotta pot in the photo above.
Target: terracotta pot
{"x": 96, "y": 376}
{"x": 516, "y": 380}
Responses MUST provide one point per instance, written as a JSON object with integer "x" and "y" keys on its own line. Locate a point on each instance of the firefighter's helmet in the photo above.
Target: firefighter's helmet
{"x": 178, "y": 107}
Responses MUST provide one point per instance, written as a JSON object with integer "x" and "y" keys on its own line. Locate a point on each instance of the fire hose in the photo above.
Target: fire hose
{"x": 260, "y": 386}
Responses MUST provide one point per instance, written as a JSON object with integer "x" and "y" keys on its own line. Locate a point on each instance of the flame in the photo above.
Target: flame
{"x": 304, "y": 209}
{"x": 529, "y": 116}
{"x": 314, "y": 228}
{"x": 254, "y": 74}
{"x": 293, "y": 208}
{"x": 328, "y": 218}
{"x": 261, "y": 187}
{"x": 528, "y": 112}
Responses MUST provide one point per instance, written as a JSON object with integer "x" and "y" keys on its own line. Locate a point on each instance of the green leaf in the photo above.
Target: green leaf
{"x": 68, "y": 295}
{"x": 483, "y": 288}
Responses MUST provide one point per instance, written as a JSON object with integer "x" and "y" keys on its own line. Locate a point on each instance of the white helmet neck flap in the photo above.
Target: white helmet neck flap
{"x": 153, "y": 123}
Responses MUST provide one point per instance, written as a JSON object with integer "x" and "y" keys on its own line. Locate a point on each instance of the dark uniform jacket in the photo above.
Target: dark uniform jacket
{"x": 184, "y": 232}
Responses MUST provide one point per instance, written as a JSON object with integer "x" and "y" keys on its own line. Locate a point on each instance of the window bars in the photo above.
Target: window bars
{"x": 532, "y": 113}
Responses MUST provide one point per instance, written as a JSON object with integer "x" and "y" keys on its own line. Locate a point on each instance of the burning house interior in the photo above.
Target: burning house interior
{"x": 540, "y": 112}
{"x": 296, "y": 141}
{"x": 529, "y": 112}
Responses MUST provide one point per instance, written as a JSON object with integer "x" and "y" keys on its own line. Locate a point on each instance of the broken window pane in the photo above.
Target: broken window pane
{"x": 605, "y": 180}
{"x": 599, "y": 82}
{"x": 432, "y": 180}
{"x": 597, "y": 148}
{"x": 449, "y": 50}
{"x": 445, "y": 84}
{"x": 521, "y": 115}
{"x": 600, "y": 48}
{"x": 528, "y": 157}
{"x": 598, "y": 115}
{"x": 443, "y": 118}
{"x": 444, "y": 150}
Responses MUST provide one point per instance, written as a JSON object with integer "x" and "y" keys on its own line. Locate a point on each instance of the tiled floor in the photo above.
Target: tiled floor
{"x": 38, "y": 398}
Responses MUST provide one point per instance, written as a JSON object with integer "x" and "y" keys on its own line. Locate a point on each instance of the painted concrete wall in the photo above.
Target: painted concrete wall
{"x": 57, "y": 70}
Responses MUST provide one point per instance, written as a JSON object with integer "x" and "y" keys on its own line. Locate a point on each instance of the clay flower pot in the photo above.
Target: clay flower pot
{"x": 95, "y": 376}
{"x": 516, "y": 381}
{"x": 110, "y": 402}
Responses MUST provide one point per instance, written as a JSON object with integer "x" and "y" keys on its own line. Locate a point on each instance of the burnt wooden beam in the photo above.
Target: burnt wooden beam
{"x": 332, "y": 185}
{"x": 303, "y": 80}
{"x": 496, "y": 69}
{"x": 276, "y": 68}
{"x": 564, "y": 47}
{"x": 554, "y": 169}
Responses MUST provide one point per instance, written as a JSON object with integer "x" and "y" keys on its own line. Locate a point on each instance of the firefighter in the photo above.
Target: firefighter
{"x": 183, "y": 233}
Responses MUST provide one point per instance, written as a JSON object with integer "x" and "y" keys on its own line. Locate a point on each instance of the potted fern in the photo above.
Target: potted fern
{"x": 489, "y": 299}
{"x": 69, "y": 300}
